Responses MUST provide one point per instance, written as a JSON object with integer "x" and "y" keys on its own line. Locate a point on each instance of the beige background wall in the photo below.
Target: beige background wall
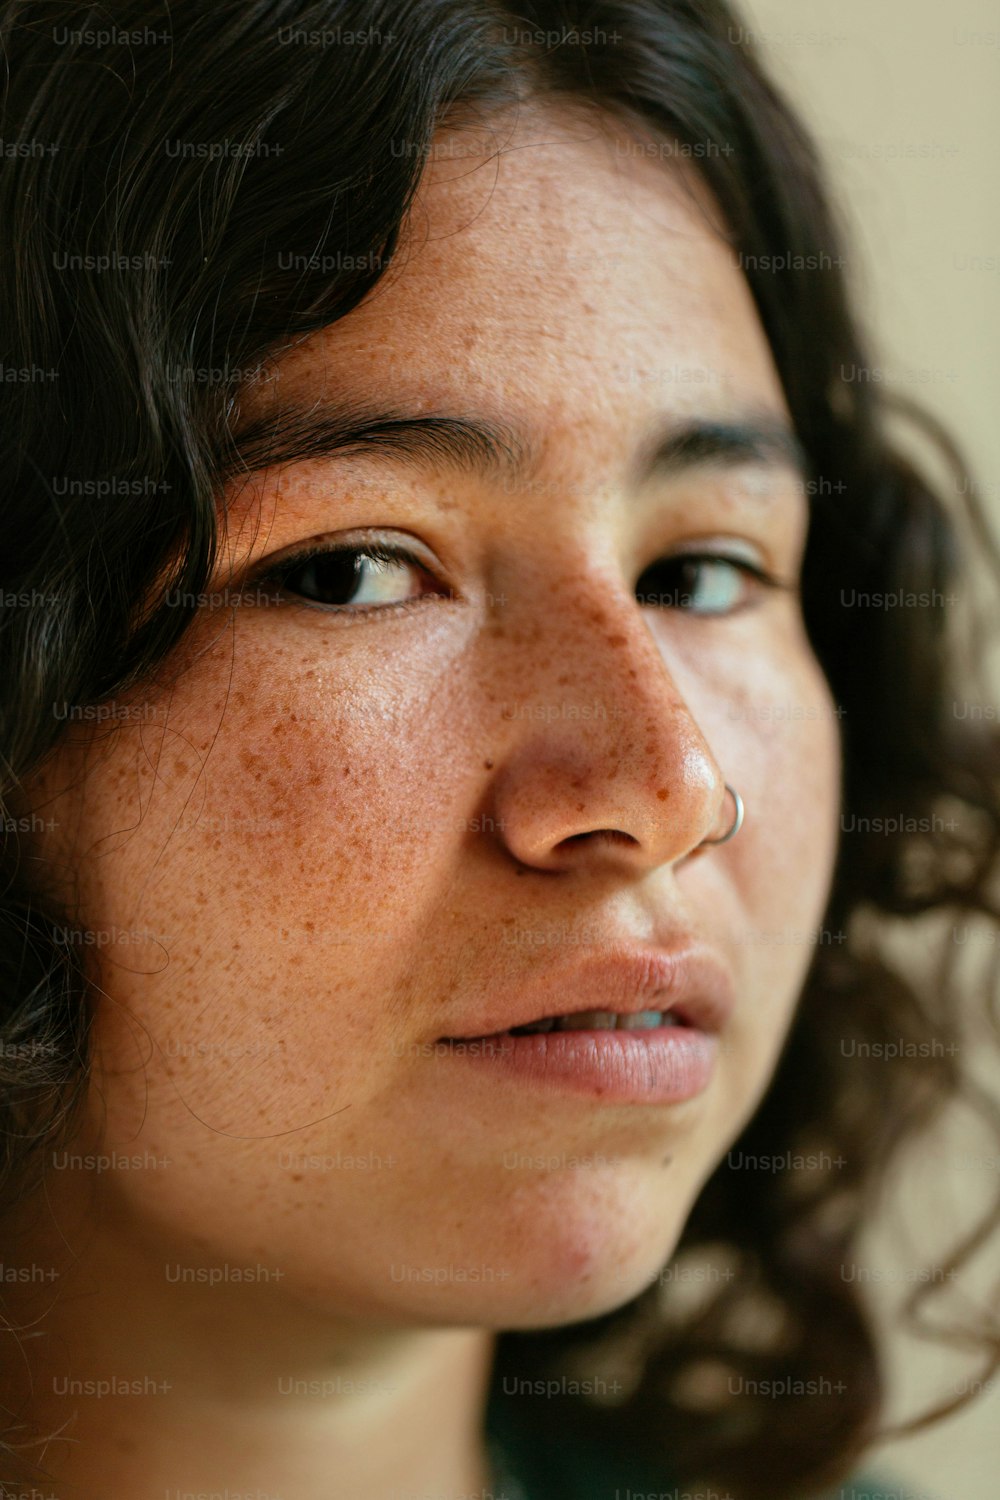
{"x": 921, "y": 79}
{"x": 904, "y": 97}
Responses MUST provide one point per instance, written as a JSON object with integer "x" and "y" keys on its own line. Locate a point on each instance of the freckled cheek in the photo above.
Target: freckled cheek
{"x": 345, "y": 785}
{"x": 790, "y": 743}
{"x": 783, "y": 869}
{"x": 337, "y": 789}
{"x": 796, "y": 780}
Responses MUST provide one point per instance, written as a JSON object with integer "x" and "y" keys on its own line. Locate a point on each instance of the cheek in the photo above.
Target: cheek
{"x": 789, "y": 736}
{"x": 764, "y": 707}
{"x": 258, "y": 773}
{"x": 782, "y": 734}
{"x": 263, "y": 846}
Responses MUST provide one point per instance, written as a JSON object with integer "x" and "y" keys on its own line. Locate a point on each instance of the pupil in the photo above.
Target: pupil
{"x": 330, "y": 579}
{"x": 683, "y": 573}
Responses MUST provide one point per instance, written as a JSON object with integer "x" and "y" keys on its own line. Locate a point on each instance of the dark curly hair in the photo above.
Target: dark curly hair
{"x": 84, "y": 577}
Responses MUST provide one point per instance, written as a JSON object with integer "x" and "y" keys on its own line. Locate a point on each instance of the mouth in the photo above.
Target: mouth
{"x": 648, "y": 1036}
{"x": 623, "y": 989}
{"x": 591, "y": 1020}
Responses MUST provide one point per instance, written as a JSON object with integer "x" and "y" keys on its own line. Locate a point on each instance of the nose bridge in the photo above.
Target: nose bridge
{"x": 592, "y": 660}
{"x": 599, "y": 736}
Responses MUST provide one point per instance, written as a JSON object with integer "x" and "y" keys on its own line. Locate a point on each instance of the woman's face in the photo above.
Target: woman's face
{"x": 328, "y": 839}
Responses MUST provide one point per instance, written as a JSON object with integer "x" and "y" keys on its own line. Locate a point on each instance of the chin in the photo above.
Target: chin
{"x": 568, "y": 1305}
{"x": 558, "y": 1259}
{"x": 533, "y": 1302}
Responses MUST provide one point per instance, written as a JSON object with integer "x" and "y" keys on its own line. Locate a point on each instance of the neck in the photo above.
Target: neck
{"x": 161, "y": 1388}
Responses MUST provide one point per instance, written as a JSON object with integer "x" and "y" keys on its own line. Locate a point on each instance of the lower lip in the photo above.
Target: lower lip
{"x": 662, "y": 1065}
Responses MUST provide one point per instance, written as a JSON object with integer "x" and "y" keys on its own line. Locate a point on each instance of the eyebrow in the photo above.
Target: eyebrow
{"x": 492, "y": 449}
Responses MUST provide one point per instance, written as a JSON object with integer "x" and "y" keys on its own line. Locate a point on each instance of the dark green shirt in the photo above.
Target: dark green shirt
{"x": 561, "y": 1469}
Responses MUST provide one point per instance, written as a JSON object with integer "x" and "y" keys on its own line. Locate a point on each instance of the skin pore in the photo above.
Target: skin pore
{"x": 321, "y": 841}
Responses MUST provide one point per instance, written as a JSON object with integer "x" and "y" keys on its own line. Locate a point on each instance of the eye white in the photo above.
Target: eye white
{"x": 376, "y": 580}
{"x": 720, "y": 586}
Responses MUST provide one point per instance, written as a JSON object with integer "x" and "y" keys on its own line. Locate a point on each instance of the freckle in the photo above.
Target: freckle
{"x": 616, "y": 640}
{"x": 663, "y": 793}
{"x": 297, "y": 1176}
{"x": 580, "y": 806}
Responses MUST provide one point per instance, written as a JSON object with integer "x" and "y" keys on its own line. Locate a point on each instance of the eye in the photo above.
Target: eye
{"x": 702, "y": 583}
{"x": 354, "y": 578}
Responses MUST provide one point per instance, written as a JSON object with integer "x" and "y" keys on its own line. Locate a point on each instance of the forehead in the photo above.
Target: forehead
{"x": 556, "y": 268}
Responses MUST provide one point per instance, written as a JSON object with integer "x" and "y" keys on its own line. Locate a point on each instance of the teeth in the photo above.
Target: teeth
{"x": 587, "y": 1020}
{"x": 642, "y": 1020}
{"x": 600, "y": 1020}
{"x": 546, "y": 1025}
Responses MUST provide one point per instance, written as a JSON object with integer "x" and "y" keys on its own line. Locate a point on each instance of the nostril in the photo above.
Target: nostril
{"x": 605, "y": 835}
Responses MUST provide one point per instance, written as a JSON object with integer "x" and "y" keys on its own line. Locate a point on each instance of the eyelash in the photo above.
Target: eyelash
{"x": 379, "y": 551}
{"x": 760, "y": 575}
{"x": 389, "y": 554}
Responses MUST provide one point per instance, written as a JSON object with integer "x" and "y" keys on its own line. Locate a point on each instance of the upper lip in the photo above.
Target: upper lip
{"x": 689, "y": 980}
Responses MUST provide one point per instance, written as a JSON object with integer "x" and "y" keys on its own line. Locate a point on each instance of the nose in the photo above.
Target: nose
{"x": 603, "y": 759}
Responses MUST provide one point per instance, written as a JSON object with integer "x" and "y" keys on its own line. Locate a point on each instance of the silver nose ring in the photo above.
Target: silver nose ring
{"x": 737, "y": 820}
